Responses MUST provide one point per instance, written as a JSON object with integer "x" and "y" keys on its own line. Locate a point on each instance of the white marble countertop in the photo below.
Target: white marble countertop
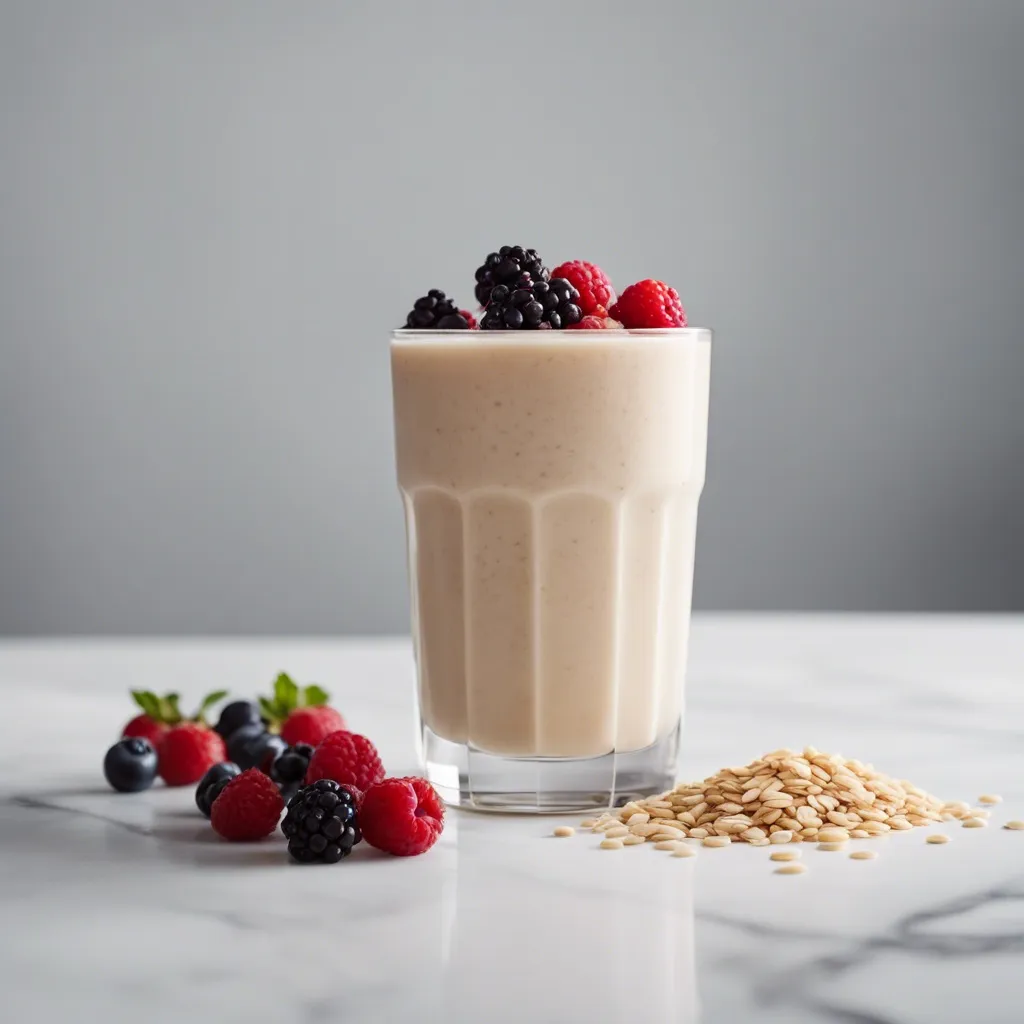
{"x": 127, "y": 907}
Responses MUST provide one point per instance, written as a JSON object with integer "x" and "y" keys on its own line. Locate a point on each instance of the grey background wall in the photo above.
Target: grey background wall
{"x": 212, "y": 213}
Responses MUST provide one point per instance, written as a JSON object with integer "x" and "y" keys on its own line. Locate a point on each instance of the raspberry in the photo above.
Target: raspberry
{"x": 311, "y": 725}
{"x": 469, "y": 318}
{"x": 248, "y": 808}
{"x": 346, "y": 757}
{"x": 590, "y": 281}
{"x": 188, "y": 751}
{"x": 588, "y": 323}
{"x": 649, "y": 304}
{"x": 402, "y": 816}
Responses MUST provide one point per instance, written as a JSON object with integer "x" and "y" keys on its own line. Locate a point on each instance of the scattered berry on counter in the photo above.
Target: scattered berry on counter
{"x": 236, "y": 714}
{"x": 291, "y": 764}
{"x": 436, "y": 311}
{"x": 248, "y": 807}
{"x": 130, "y": 765}
{"x": 526, "y": 304}
{"x": 158, "y": 714}
{"x": 591, "y": 282}
{"x": 242, "y": 744}
{"x": 346, "y": 757}
{"x": 322, "y": 823}
{"x": 300, "y": 714}
{"x": 212, "y": 783}
{"x": 311, "y": 725}
{"x": 265, "y": 749}
{"x": 508, "y": 266}
{"x": 188, "y": 751}
{"x": 649, "y": 303}
{"x": 402, "y": 816}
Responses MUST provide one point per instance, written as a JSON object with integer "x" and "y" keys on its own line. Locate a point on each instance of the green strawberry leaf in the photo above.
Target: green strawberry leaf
{"x": 314, "y": 696}
{"x": 208, "y": 701}
{"x": 170, "y": 712}
{"x": 286, "y": 693}
{"x": 269, "y": 710}
{"x": 149, "y": 702}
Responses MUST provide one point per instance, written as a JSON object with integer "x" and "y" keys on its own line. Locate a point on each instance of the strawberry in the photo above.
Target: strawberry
{"x": 311, "y": 725}
{"x": 300, "y": 715}
{"x": 188, "y": 752}
{"x": 158, "y": 715}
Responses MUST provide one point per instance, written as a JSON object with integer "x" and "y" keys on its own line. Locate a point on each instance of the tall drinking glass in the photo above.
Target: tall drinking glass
{"x": 550, "y": 481}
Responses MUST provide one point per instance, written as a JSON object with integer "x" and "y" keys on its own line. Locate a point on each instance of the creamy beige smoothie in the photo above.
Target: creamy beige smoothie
{"x": 550, "y": 483}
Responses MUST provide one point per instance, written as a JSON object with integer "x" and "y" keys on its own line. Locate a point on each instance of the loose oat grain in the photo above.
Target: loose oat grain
{"x": 611, "y": 844}
{"x": 791, "y": 869}
{"x": 975, "y": 823}
{"x": 863, "y": 855}
{"x": 784, "y": 855}
{"x": 937, "y": 839}
{"x": 563, "y": 831}
{"x": 716, "y": 842}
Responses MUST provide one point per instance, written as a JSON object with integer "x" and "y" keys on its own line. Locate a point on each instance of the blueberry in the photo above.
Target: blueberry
{"x": 239, "y": 741}
{"x": 290, "y": 767}
{"x": 265, "y": 750}
{"x": 130, "y": 765}
{"x": 235, "y": 715}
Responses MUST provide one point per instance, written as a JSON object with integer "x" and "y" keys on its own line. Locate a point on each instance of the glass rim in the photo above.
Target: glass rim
{"x": 415, "y": 335}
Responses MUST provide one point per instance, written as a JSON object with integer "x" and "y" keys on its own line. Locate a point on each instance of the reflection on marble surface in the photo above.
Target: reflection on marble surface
{"x": 126, "y": 907}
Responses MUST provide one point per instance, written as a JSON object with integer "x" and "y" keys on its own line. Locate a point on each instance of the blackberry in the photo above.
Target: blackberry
{"x": 435, "y": 310}
{"x": 321, "y": 823}
{"x": 290, "y": 766}
{"x": 211, "y": 784}
{"x": 532, "y": 304}
{"x": 507, "y": 266}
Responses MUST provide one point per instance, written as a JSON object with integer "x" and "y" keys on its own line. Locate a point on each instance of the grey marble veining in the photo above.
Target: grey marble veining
{"x": 123, "y": 908}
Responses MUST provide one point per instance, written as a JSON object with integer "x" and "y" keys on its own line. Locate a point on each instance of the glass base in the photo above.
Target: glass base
{"x": 478, "y": 781}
